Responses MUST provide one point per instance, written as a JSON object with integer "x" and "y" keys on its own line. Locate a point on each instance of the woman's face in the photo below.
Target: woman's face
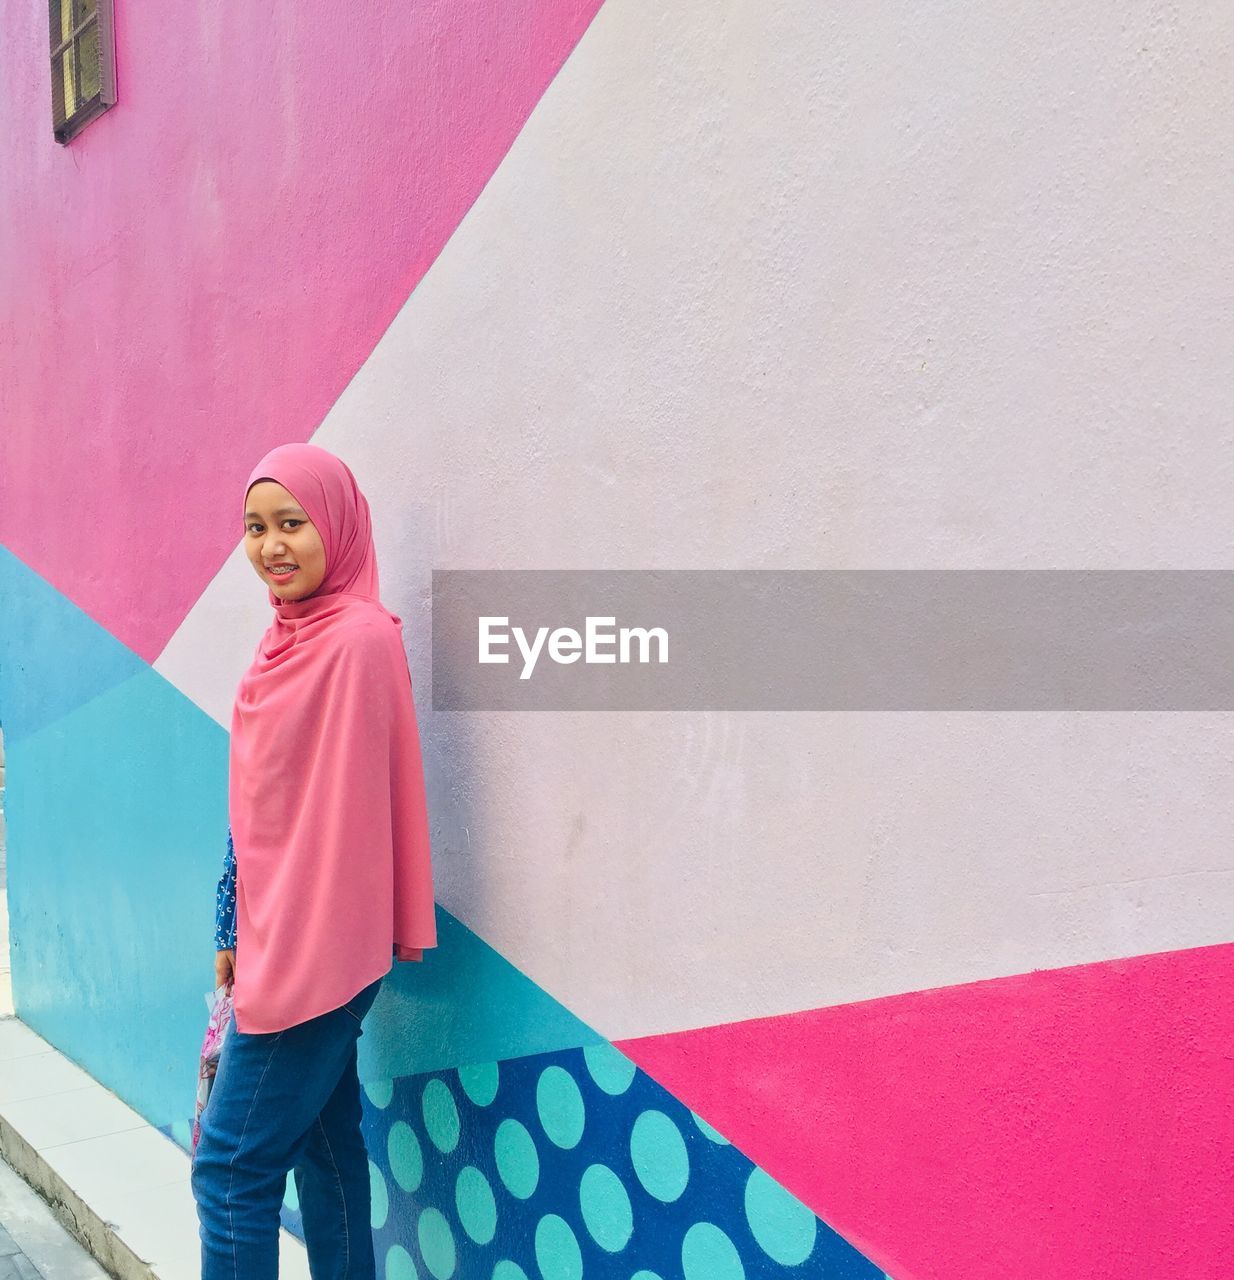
{"x": 277, "y": 531}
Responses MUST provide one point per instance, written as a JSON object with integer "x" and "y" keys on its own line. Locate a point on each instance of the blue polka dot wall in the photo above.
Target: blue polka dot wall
{"x": 573, "y": 1165}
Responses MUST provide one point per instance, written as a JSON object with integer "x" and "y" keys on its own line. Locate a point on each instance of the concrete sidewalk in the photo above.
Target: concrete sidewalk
{"x": 33, "y": 1243}
{"x": 119, "y": 1185}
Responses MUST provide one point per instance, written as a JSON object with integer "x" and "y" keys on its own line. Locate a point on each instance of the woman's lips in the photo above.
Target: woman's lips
{"x": 283, "y": 577}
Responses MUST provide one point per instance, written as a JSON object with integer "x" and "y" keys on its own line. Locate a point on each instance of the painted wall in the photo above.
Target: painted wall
{"x": 718, "y": 995}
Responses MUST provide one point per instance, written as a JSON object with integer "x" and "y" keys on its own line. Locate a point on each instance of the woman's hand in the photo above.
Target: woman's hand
{"x": 224, "y": 968}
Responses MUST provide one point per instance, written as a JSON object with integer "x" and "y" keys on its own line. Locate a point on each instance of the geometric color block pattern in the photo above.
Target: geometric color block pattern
{"x": 111, "y": 895}
{"x": 641, "y": 394}
{"x": 601, "y": 304}
{"x": 53, "y": 657}
{"x": 572, "y": 1164}
{"x": 1071, "y": 1124}
{"x": 111, "y": 887}
{"x": 294, "y": 217}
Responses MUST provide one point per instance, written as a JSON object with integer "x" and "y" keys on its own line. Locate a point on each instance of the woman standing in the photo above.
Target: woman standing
{"x": 332, "y": 871}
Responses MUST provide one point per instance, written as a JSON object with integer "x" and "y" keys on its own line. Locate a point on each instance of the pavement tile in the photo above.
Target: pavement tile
{"x": 38, "y": 1075}
{"x": 92, "y": 1112}
{"x": 18, "y": 1041}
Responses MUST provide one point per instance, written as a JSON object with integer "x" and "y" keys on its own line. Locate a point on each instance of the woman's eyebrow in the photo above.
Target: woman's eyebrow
{"x": 282, "y": 511}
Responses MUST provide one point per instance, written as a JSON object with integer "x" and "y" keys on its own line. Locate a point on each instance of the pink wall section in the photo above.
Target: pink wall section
{"x": 1069, "y": 1124}
{"x": 222, "y": 250}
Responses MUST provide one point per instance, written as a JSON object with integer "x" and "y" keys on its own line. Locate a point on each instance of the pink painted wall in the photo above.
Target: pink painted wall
{"x": 221, "y": 250}
{"x": 1067, "y": 1123}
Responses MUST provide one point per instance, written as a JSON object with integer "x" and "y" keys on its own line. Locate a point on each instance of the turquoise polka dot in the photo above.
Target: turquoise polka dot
{"x": 782, "y": 1225}
{"x": 658, "y": 1151}
{"x": 518, "y": 1162}
{"x": 406, "y": 1158}
{"x": 479, "y": 1082}
{"x": 644, "y": 1275}
{"x": 380, "y": 1092}
{"x": 609, "y": 1068}
{"x": 399, "y": 1264}
{"x": 708, "y": 1254}
{"x": 379, "y": 1197}
{"x": 557, "y": 1251}
{"x": 440, "y": 1115}
{"x": 436, "y": 1243}
{"x": 477, "y": 1210}
{"x": 707, "y": 1131}
{"x": 291, "y": 1197}
{"x": 507, "y": 1270}
{"x": 560, "y": 1106}
{"x": 606, "y": 1208}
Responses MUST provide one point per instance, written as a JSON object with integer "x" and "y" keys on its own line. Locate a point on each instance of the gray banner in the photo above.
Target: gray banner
{"x": 828, "y": 640}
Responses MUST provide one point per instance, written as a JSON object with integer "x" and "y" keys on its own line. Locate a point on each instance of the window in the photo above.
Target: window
{"x": 83, "y": 64}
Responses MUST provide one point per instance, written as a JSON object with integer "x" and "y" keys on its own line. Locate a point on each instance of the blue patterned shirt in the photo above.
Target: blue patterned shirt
{"x": 225, "y": 902}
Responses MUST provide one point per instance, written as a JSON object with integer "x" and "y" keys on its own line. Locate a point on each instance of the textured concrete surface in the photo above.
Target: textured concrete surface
{"x": 32, "y": 1242}
{"x": 120, "y": 1185}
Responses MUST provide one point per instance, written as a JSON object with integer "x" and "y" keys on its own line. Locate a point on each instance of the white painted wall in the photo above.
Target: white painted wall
{"x": 806, "y": 286}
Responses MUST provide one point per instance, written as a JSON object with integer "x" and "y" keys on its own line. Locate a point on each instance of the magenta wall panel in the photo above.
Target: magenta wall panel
{"x": 219, "y": 253}
{"x": 1066, "y": 1124}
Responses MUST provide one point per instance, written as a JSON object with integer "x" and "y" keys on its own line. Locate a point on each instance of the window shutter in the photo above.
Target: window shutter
{"x": 83, "y": 63}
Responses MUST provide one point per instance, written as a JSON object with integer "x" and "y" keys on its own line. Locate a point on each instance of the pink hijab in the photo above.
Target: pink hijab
{"x": 326, "y": 787}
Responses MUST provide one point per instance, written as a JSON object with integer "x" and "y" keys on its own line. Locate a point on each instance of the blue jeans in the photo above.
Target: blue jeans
{"x": 286, "y": 1100}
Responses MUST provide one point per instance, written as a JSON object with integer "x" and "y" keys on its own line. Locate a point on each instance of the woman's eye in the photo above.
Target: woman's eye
{"x": 291, "y": 522}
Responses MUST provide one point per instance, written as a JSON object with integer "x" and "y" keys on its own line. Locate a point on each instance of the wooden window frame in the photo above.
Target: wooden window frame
{"x": 101, "y": 18}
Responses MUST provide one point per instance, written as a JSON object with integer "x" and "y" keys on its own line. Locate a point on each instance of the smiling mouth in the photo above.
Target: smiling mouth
{"x": 287, "y": 573}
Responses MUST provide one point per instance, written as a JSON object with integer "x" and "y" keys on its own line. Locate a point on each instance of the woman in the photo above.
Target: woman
{"x": 332, "y": 877}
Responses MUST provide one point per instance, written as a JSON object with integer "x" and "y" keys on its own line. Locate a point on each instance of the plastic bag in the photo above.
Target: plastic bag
{"x": 219, "y": 1004}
